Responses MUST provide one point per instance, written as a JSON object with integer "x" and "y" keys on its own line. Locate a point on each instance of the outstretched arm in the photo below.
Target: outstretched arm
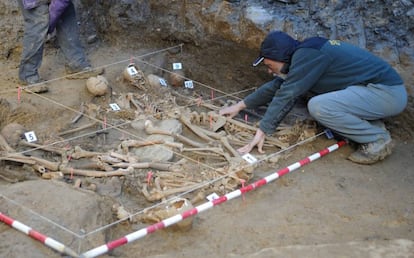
{"x": 233, "y": 110}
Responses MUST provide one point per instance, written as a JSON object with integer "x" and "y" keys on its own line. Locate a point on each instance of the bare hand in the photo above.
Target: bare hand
{"x": 232, "y": 110}
{"x": 258, "y": 140}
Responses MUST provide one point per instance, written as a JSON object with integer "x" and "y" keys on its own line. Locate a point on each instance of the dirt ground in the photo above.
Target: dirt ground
{"x": 329, "y": 208}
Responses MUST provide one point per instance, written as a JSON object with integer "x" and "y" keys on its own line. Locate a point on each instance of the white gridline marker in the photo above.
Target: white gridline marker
{"x": 212, "y": 197}
{"x": 163, "y": 82}
{"x": 132, "y": 71}
{"x": 249, "y": 158}
{"x": 189, "y": 84}
{"x": 114, "y": 107}
{"x": 177, "y": 66}
{"x": 30, "y": 136}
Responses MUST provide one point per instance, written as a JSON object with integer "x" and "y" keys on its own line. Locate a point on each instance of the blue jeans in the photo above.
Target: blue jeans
{"x": 352, "y": 112}
{"x": 36, "y": 22}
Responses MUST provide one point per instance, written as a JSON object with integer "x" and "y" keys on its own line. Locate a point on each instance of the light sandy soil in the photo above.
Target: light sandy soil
{"x": 329, "y": 208}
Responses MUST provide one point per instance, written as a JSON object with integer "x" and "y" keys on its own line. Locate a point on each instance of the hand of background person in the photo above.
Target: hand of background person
{"x": 257, "y": 140}
{"x": 233, "y": 110}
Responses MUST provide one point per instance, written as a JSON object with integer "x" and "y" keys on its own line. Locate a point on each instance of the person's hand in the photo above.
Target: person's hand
{"x": 232, "y": 110}
{"x": 258, "y": 140}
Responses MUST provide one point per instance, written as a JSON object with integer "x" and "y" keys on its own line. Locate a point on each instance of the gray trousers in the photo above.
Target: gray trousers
{"x": 36, "y": 23}
{"x": 352, "y": 112}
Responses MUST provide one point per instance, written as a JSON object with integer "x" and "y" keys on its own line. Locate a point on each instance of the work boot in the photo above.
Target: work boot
{"x": 34, "y": 85}
{"x": 83, "y": 73}
{"x": 369, "y": 153}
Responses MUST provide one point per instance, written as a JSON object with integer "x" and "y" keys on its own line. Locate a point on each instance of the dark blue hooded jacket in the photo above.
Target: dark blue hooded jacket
{"x": 319, "y": 66}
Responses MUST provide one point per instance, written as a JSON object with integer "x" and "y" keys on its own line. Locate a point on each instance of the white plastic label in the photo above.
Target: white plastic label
{"x": 30, "y": 136}
{"x": 132, "y": 71}
{"x": 249, "y": 158}
{"x": 189, "y": 84}
{"x": 177, "y": 66}
{"x": 163, "y": 82}
{"x": 212, "y": 197}
{"x": 114, "y": 107}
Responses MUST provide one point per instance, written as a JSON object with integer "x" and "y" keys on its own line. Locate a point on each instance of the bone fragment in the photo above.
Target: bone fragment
{"x": 53, "y": 166}
{"x": 38, "y": 168}
{"x": 125, "y": 145}
{"x": 97, "y": 165}
{"x": 142, "y": 165}
{"x": 81, "y": 153}
{"x": 18, "y": 158}
{"x": 226, "y": 144}
{"x": 91, "y": 173}
{"x": 213, "y": 134}
{"x": 219, "y": 123}
{"x": 77, "y": 183}
{"x": 195, "y": 129}
{"x": 188, "y": 141}
{"x": 157, "y": 195}
{"x": 199, "y": 197}
{"x": 212, "y": 149}
{"x": 270, "y": 140}
{"x": 109, "y": 159}
{"x": 240, "y": 124}
{"x": 202, "y": 151}
{"x": 59, "y": 151}
{"x": 139, "y": 106}
{"x": 52, "y": 175}
{"x": 121, "y": 157}
{"x": 150, "y": 129}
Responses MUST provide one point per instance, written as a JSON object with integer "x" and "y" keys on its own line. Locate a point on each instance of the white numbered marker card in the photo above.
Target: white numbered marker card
{"x": 132, "y": 71}
{"x": 177, "y": 66}
{"x": 114, "y": 107}
{"x": 249, "y": 158}
{"x": 30, "y": 136}
{"x": 189, "y": 84}
{"x": 212, "y": 197}
{"x": 163, "y": 82}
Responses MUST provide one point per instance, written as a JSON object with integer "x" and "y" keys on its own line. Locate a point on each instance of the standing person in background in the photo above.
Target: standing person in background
{"x": 354, "y": 89}
{"x": 40, "y": 18}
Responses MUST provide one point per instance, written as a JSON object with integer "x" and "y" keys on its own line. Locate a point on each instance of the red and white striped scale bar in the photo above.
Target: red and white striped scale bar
{"x": 57, "y": 246}
{"x": 203, "y": 207}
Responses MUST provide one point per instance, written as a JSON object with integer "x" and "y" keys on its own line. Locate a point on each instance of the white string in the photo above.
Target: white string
{"x": 117, "y": 127}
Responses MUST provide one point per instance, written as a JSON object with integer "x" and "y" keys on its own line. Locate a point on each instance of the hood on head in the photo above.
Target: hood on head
{"x": 277, "y": 46}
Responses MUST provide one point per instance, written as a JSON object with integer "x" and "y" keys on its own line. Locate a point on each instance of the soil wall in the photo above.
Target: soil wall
{"x": 384, "y": 27}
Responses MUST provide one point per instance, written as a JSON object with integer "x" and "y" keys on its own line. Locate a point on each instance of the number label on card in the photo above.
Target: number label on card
{"x": 30, "y": 136}
{"x": 132, "y": 71}
{"x": 212, "y": 197}
{"x": 249, "y": 158}
{"x": 114, "y": 107}
{"x": 189, "y": 84}
{"x": 163, "y": 82}
{"x": 177, "y": 66}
